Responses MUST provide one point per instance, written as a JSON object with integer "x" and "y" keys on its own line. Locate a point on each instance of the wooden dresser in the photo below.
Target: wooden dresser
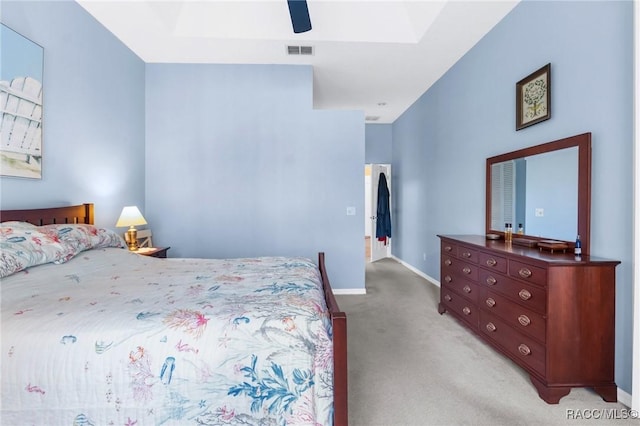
{"x": 551, "y": 314}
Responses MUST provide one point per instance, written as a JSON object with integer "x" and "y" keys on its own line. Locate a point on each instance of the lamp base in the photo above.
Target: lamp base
{"x": 132, "y": 238}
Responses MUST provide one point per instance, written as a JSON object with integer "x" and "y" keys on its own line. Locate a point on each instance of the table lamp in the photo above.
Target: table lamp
{"x": 131, "y": 217}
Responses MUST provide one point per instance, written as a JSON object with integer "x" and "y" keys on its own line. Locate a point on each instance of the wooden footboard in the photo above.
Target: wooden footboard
{"x": 339, "y": 323}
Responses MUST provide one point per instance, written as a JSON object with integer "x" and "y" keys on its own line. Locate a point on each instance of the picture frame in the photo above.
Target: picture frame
{"x": 533, "y": 98}
{"x": 21, "y": 106}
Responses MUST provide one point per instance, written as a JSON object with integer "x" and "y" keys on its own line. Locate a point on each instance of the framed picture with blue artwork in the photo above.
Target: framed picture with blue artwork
{"x": 21, "y": 78}
{"x": 533, "y": 98}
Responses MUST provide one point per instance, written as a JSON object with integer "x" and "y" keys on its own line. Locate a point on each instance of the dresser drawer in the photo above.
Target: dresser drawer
{"x": 463, "y": 287}
{"x": 451, "y": 266}
{"x": 468, "y": 254}
{"x": 530, "y": 273}
{"x": 448, "y": 248}
{"x": 460, "y": 306}
{"x": 529, "y": 296}
{"x": 523, "y": 349}
{"x": 446, "y": 262}
{"x": 496, "y": 263}
{"x": 514, "y": 314}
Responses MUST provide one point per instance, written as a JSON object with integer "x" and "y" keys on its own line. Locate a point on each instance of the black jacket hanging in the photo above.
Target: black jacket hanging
{"x": 383, "y": 223}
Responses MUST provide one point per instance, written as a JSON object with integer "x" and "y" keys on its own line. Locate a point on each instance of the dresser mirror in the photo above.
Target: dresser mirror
{"x": 544, "y": 188}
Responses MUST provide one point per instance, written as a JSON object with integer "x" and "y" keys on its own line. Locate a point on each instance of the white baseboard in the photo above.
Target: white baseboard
{"x": 349, "y": 291}
{"x": 624, "y": 398}
{"x": 417, "y": 271}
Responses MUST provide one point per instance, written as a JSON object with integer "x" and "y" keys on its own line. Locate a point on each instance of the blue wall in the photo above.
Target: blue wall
{"x": 378, "y": 139}
{"x": 239, "y": 164}
{"x": 440, "y": 144}
{"x": 93, "y": 124}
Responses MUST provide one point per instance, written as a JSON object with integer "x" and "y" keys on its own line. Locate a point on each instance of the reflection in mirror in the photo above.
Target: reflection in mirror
{"x": 545, "y": 188}
{"x": 537, "y": 194}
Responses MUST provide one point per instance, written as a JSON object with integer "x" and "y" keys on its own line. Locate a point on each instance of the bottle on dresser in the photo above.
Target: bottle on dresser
{"x": 508, "y": 232}
{"x": 577, "y": 249}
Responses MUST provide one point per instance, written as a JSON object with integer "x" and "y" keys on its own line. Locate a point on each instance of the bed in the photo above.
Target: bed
{"x": 93, "y": 334}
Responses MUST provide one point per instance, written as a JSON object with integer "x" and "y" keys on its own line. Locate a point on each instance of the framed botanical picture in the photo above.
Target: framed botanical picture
{"x": 533, "y": 98}
{"x": 21, "y": 77}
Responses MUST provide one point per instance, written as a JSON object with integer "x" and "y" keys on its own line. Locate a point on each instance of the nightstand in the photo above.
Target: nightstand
{"x": 153, "y": 251}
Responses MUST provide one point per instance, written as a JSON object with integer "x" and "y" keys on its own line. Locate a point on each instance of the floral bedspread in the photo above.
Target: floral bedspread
{"x": 115, "y": 338}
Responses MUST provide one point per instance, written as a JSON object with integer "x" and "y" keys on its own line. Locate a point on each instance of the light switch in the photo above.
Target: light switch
{"x": 351, "y": 211}
{"x": 539, "y": 212}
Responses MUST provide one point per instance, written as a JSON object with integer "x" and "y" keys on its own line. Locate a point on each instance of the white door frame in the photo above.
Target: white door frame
{"x": 378, "y": 251}
{"x": 635, "y": 395}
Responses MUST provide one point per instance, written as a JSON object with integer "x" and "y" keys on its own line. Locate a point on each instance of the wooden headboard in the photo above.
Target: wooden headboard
{"x": 82, "y": 213}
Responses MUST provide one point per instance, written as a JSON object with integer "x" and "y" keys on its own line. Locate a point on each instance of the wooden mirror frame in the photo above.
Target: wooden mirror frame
{"x": 583, "y": 142}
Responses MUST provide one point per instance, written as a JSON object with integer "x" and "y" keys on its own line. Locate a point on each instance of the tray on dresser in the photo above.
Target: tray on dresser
{"x": 553, "y": 245}
{"x": 525, "y": 242}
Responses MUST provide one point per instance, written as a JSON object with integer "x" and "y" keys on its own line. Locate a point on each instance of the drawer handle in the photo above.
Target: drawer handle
{"x": 524, "y": 320}
{"x": 491, "y": 262}
{"x": 466, "y": 289}
{"x": 524, "y": 349}
{"x": 490, "y": 302}
{"x": 525, "y": 272}
{"x": 466, "y": 310}
{"x": 524, "y": 294}
{"x": 447, "y": 298}
{"x": 448, "y": 262}
{"x": 466, "y": 254}
{"x": 448, "y": 248}
{"x": 466, "y": 270}
{"x": 448, "y": 278}
{"x": 491, "y": 280}
{"x": 491, "y": 327}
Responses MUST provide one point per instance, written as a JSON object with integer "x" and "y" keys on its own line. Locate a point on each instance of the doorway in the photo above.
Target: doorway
{"x": 375, "y": 249}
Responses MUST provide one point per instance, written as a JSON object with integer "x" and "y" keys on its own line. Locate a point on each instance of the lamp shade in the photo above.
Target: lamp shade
{"x": 130, "y": 216}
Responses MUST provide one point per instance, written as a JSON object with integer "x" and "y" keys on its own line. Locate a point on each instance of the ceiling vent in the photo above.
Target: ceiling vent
{"x": 372, "y": 118}
{"x": 300, "y": 50}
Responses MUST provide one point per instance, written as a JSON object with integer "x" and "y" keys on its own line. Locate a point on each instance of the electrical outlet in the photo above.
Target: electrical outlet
{"x": 539, "y": 212}
{"x": 424, "y": 257}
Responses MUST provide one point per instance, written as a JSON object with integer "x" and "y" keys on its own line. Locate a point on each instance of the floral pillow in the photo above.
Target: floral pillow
{"x": 17, "y": 224}
{"x": 80, "y": 237}
{"x": 22, "y": 247}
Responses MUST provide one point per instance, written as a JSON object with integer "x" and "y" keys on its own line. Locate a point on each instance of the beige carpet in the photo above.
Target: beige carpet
{"x": 409, "y": 365}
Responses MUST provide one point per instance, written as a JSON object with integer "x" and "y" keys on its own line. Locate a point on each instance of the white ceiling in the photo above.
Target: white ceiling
{"x": 370, "y": 55}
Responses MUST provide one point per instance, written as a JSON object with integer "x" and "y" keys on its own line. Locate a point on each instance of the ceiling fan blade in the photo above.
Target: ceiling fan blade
{"x": 299, "y": 15}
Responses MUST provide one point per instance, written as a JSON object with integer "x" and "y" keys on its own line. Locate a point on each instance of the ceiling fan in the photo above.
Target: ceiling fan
{"x": 299, "y": 15}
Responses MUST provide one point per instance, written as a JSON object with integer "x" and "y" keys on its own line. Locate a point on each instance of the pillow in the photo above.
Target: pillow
{"x": 21, "y": 248}
{"x": 107, "y": 238}
{"x": 80, "y": 237}
{"x": 17, "y": 224}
